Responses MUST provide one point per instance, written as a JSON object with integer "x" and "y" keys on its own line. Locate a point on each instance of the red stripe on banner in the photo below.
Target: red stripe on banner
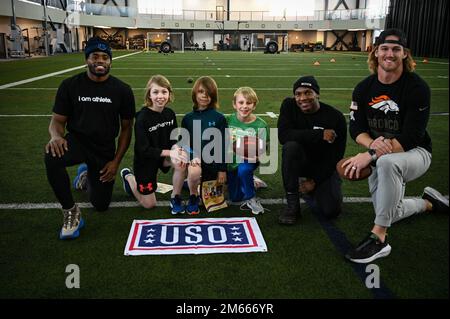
{"x": 133, "y": 240}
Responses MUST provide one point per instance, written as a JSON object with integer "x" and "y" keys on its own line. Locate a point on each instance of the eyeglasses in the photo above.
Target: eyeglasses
{"x": 307, "y": 93}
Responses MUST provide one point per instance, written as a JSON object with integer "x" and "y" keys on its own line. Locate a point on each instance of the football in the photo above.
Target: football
{"x": 190, "y": 80}
{"x": 363, "y": 174}
{"x": 249, "y": 146}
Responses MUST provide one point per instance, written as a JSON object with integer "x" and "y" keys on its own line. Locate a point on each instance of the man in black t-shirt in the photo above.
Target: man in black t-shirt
{"x": 313, "y": 135}
{"x": 94, "y": 107}
{"x": 389, "y": 115}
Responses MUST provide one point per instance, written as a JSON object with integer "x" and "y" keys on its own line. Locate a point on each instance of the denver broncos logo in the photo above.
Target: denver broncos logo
{"x": 384, "y": 103}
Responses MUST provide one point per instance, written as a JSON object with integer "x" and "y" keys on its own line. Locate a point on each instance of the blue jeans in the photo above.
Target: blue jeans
{"x": 240, "y": 182}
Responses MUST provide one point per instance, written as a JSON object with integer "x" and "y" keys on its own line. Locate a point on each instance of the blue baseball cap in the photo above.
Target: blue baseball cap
{"x": 96, "y": 44}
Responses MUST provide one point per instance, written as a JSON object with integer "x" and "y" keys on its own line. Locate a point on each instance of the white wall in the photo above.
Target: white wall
{"x": 250, "y": 5}
{"x": 201, "y": 4}
{"x": 206, "y": 36}
{"x": 265, "y": 5}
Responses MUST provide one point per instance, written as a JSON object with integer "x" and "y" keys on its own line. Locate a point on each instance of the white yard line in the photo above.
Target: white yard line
{"x": 268, "y": 201}
{"x": 9, "y": 85}
{"x": 221, "y": 68}
{"x": 260, "y": 76}
{"x": 272, "y": 115}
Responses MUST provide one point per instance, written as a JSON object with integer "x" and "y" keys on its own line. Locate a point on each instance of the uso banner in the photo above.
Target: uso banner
{"x": 194, "y": 236}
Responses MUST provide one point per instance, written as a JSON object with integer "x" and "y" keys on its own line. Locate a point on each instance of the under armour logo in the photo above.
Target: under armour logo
{"x": 211, "y": 123}
{"x": 149, "y": 187}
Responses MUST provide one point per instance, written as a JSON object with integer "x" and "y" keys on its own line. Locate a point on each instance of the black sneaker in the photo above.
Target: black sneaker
{"x": 369, "y": 249}
{"x": 192, "y": 208}
{"x": 439, "y": 202}
{"x": 288, "y": 215}
{"x": 177, "y": 206}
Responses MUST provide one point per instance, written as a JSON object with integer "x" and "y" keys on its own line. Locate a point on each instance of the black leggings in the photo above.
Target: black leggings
{"x": 326, "y": 197}
{"x": 99, "y": 193}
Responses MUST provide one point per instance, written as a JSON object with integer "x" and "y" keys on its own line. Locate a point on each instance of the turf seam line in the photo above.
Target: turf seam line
{"x": 342, "y": 244}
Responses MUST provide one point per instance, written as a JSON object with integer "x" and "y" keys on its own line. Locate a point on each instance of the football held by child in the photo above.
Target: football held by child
{"x": 244, "y": 126}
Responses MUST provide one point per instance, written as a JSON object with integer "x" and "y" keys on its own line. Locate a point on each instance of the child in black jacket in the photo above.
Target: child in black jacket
{"x": 153, "y": 148}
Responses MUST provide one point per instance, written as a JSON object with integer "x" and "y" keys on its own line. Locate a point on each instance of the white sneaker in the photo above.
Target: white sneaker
{"x": 258, "y": 182}
{"x": 255, "y": 206}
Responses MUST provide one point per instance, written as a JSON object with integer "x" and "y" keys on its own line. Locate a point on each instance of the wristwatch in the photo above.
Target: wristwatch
{"x": 373, "y": 154}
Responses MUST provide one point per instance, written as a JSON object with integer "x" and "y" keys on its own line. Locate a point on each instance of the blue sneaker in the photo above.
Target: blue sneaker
{"x": 126, "y": 186}
{"x": 80, "y": 181}
{"x": 177, "y": 205}
{"x": 192, "y": 207}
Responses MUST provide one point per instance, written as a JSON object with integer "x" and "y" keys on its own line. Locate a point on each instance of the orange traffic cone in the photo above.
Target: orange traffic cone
{"x": 333, "y": 60}
{"x": 317, "y": 63}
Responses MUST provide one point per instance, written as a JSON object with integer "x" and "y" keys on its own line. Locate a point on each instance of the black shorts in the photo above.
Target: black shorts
{"x": 146, "y": 175}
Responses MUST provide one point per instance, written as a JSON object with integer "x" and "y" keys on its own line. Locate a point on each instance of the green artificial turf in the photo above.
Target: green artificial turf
{"x": 303, "y": 261}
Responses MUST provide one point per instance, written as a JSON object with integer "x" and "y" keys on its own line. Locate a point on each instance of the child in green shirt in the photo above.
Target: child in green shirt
{"x": 240, "y": 171}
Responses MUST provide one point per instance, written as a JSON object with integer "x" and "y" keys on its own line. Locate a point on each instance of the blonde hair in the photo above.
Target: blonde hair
{"x": 248, "y": 93}
{"x": 162, "y": 81}
{"x": 408, "y": 63}
{"x": 211, "y": 89}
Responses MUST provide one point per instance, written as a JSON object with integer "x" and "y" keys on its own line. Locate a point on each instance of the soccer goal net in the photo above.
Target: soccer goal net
{"x": 165, "y": 42}
{"x": 269, "y": 42}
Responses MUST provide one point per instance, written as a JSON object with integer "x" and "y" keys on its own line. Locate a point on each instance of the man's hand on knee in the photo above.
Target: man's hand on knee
{"x": 109, "y": 171}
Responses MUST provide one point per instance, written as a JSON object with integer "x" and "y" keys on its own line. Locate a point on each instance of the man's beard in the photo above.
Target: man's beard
{"x": 93, "y": 66}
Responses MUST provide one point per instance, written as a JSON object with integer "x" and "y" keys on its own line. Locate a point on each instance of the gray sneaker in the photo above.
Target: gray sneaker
{"x": 254, "y": 205}
{"x": 72, "y": 223}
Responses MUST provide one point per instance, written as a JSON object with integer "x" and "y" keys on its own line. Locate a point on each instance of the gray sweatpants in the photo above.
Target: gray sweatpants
{"x": 387, "y": 185}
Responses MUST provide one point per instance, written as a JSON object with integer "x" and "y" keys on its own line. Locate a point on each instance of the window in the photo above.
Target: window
{"x": 377, "y": 9}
